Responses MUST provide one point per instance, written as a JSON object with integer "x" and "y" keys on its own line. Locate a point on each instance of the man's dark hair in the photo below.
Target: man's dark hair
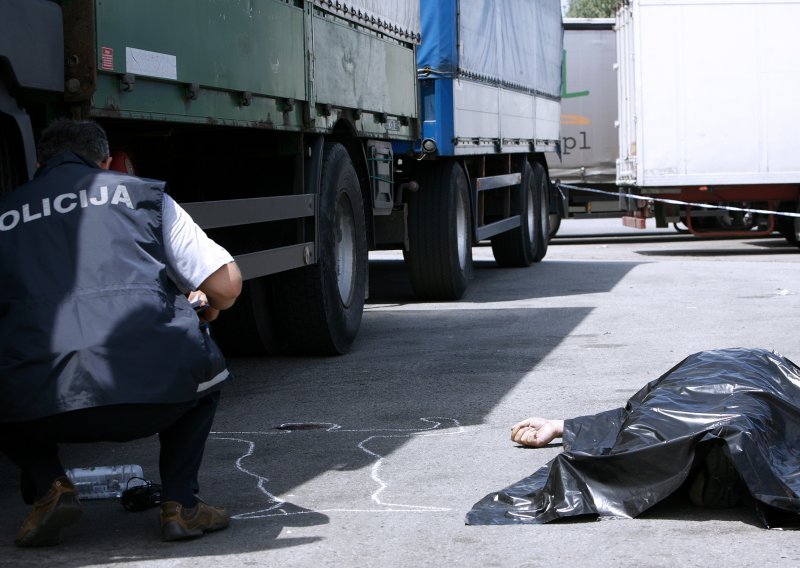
{"x": 84, "y": 137}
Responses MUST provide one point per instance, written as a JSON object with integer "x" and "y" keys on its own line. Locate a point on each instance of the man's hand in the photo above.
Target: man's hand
{"x": 199, "y": 302}
{"x": 223, "y": 286}
{"x": 536, "y": 432}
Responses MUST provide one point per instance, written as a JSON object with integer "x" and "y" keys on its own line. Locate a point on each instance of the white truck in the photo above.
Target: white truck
{"x": 709, "y": 113}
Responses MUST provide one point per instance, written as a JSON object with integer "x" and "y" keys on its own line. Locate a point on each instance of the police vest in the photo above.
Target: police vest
{"x": 88, "y": 316}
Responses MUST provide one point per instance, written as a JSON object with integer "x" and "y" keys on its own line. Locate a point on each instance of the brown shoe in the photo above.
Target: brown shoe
{"x": 179, "y": 523}
{"x": 59, "y": 508}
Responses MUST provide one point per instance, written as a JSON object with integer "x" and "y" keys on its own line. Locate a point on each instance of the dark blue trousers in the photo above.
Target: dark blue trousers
{"x": 182, "y": 429}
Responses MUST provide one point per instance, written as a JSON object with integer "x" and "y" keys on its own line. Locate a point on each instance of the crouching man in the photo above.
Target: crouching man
{"x": 98, "y": 341}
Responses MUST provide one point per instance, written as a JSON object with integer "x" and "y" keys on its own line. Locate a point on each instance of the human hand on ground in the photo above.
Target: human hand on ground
{"x": 536, "y": 431}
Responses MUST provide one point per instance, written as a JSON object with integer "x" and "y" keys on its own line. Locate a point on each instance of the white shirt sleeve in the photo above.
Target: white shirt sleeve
{"x": 191, "y": 255}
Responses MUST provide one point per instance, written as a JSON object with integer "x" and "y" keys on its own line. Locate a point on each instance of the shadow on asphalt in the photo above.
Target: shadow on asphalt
{"x": 389, "y": 283}
{"x": 413, "y": 371}
{"x": 766, "y": 250}
{"x": 759, "y": 246}
{"x": 677, "y": 507}
{"x": 617, "y": 238}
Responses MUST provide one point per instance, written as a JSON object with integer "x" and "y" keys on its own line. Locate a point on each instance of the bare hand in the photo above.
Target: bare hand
{"x": 197, "y": 299}
{"x": 204, "y": 311}
{"x": 208, "y": 314}
{"x": 536, "y": 431}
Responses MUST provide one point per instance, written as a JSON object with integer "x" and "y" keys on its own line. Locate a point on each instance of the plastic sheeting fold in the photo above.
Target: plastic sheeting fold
{"x": 621, "y": 462}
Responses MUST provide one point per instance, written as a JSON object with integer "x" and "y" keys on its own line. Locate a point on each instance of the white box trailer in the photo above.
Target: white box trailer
{"x": 708, "y": 105}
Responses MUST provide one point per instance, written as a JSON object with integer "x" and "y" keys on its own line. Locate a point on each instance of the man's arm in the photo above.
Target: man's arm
{"x": 223, "y": 286}
{"x": 197, "y": 264}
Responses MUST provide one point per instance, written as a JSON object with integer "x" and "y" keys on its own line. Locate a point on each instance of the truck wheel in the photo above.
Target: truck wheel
{"x": 555, "y": 220}
{"x": 439, "y": 258}
{"x": 789, "y": 227}
{"x": 250, "y": 326}
{"x": 321, "y": 305}
{"x": 519, "y": 247}
{"x": 542, "y": 182}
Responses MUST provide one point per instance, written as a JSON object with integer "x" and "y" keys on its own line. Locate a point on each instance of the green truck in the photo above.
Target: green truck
{"x": 291, "y": 131}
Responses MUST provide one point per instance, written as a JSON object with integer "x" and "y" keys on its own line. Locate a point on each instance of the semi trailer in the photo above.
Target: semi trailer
{"x": 708, "y": 114}
{"x": 589, "y": 147}
{"x": 302, "y": 134}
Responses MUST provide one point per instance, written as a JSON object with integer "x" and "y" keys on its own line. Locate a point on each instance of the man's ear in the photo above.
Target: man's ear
{"x": 105, "y": 164}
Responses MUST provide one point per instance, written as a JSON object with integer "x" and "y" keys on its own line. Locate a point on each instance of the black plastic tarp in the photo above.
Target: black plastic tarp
{"x": 619, "y": 463}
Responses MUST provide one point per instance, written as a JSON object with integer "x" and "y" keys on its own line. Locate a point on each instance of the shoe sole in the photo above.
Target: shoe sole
{"x": 175, "y": 531}
{"x": 48, "y": 532}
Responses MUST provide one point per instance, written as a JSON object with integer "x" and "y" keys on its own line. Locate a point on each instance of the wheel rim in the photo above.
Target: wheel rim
{"x": 345, "y": 248}
{"x": 461, "y": 231}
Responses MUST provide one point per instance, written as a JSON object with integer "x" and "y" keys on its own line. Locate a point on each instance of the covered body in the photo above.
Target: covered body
{"x": 621, "y": 462}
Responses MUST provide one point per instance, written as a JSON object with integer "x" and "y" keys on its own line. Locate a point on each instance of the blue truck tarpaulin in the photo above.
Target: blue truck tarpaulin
{"x": 514, "y": 43}
{"x": 741, "y": 404}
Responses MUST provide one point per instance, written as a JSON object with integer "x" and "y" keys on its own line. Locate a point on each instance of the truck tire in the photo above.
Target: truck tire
{"x": 519, "y": 247}
{"x": 555, "y": 220}
{"x": 439, "y": 259}
{"x": 542, "y": 183}
{"x": 789, "y": 227}
{"x": 321, "y": 305}
{"x": 250, "y": 327}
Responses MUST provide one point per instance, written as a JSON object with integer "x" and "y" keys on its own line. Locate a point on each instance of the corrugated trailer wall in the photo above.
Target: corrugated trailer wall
{"x": 245, "y": 59}
{"x": 709, "y": 92}
{"x": 250, "y": 63}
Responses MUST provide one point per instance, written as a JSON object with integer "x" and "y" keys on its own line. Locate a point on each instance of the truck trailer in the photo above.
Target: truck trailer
{"x": 589, "y": 147}
{"x": 300, "y": 134}
{"x": 708, "y": 114}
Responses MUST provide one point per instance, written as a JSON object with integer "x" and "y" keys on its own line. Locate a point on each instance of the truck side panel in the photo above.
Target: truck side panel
{"x": 264, "y": 64}
{"x": 226, "y": 50}
{"x": 242, "y": 46}
{"x": 399, "y": 19}
{"x": 589, "y": 145}
{"x": 359, "y": 70}
{"x": 35, "y": 64}
{"x": 504, "y": 93}
{"x": 716, "y": 107}
{"x": 31, "y": 67}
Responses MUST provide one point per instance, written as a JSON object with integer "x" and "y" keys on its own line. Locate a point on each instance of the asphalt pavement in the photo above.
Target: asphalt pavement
{"x": 374, "y": 458}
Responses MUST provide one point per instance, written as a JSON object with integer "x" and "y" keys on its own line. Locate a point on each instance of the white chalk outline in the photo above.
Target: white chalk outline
{"x": 276, "y": 508}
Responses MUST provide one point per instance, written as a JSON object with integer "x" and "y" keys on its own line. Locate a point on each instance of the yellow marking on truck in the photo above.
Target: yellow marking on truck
{"x": 575, "y": 119}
